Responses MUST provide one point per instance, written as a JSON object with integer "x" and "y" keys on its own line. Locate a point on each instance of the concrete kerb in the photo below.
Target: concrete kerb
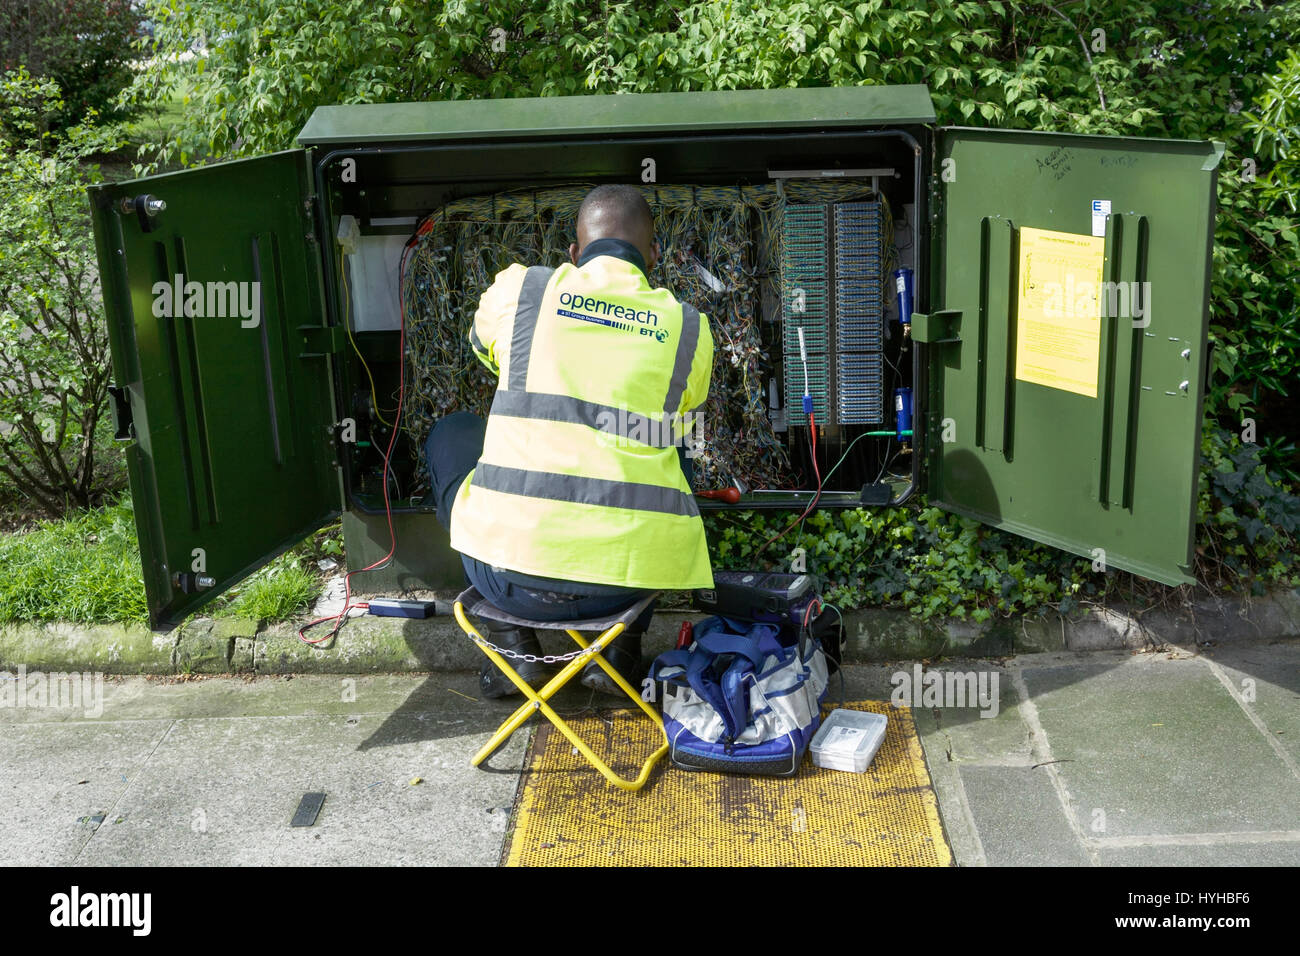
{"x": 106, "y": 648}
{"x": 394, "y": 645}
{"x": 208, "y": 646}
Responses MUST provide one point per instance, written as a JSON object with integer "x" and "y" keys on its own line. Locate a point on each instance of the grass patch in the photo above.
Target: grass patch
{"x": 86, "y": 570}
{"x": 277, "y": 592}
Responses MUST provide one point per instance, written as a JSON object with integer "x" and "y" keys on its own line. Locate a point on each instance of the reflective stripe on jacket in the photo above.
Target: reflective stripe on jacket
{"x": 580, "y": 478}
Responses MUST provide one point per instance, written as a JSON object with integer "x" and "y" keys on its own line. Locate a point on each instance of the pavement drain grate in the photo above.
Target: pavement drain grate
{"x": 308, "y": 808}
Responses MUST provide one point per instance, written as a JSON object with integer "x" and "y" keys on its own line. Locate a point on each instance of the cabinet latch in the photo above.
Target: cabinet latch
{"x": 320, "y": 340}
{"x": 123, "y": 420}
{"x": 941, "y": 326}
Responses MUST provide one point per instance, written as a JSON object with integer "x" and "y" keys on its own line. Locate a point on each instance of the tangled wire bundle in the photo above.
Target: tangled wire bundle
{"x": 720, "y": 248}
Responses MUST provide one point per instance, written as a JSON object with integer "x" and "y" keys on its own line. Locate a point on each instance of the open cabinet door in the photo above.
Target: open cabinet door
{"x": 212, "y": 290}
{"x": 1067, "y": 339}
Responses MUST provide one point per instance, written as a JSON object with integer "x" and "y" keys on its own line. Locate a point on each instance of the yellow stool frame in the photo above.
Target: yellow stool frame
{"x": 609, "y": 629}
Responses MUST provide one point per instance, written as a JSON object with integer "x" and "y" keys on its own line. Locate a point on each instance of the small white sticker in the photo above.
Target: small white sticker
{"x": 845, "y": 740}
{"x": 1100, "y": 210}
{"x": 712, "y": 281}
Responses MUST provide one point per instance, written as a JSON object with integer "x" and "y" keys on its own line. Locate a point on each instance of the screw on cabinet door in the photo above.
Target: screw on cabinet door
{"x": 189, "y": 583}
{"x": 151, "y": 205}
{"x": 145, "y": 207}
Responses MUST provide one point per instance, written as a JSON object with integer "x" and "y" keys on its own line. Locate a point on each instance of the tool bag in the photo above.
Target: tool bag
{"x": 743, "y": 698}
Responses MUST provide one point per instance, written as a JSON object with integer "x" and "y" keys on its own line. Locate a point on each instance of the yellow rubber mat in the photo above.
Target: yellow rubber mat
{"x": 567, "y": 815}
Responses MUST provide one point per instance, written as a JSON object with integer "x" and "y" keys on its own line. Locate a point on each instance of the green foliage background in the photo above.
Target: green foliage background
{"x": 84, "y": 46}
{"x": 1214, "y": 69}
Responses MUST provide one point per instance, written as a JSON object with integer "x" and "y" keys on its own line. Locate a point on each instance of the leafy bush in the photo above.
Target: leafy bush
{"x": 1116, "y": 67}
{"x": 919, "y": 557}
{"x": 1257, "y": 261}
{"x": 85, "y": 46}
{"x": 54, "y": 363}
{"x": 1250, "y": 520}
{"x": 1276, "y": 125}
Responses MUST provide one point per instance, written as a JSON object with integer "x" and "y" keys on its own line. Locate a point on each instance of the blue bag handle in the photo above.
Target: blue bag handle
{"x": 726, "y": 695}
{"x": 696, "y": 675}
{"x": 681, "y": 658}
{"x": 736, "y": 696}
{"x": 745, "y": 647}
{"x": 703, "y": 681}
{"x": 748, "y": 653}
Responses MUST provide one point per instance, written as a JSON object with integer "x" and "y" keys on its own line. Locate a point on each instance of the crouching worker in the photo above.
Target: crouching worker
{"x": 573, "y": 500}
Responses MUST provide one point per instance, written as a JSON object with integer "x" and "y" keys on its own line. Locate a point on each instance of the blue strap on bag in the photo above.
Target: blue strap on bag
{"x": 725, "y": 692}
{"x": 744, "y": 698}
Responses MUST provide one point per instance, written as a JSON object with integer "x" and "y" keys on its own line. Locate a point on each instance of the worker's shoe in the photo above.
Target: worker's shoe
{"x": 624, "y": 655}
{"x": 492, "y": 683}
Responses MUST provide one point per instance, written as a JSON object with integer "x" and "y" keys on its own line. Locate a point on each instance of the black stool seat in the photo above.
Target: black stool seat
{"x": 479, "y": 606}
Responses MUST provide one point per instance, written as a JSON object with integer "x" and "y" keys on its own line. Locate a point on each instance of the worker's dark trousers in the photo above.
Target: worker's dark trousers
{"x": 453, "y": 449}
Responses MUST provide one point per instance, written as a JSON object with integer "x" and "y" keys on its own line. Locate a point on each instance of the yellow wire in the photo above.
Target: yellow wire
{"x": 347, "y": 325}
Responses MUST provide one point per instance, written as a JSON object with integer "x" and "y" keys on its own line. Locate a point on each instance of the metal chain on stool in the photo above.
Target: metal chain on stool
{"x": 534, "y": 658}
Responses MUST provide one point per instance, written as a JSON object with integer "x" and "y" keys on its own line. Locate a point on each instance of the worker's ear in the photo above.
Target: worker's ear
{"x": 656, "y": 251}
{"x": 573, "y": 253}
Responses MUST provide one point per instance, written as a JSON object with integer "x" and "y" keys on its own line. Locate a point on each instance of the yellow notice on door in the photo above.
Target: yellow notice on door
{"x": 1058, "y": 333}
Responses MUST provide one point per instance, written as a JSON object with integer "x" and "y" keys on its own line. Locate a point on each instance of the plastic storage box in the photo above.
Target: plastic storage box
{"x": 848, "y": 740}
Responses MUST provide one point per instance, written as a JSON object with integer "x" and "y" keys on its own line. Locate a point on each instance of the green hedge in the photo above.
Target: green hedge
{"x": 1218, "y": 69}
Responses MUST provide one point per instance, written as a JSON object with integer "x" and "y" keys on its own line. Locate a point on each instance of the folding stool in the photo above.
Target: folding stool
{"x": 608, "y": 627}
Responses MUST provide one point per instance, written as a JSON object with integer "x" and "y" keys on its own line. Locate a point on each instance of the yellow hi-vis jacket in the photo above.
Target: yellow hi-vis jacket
{"x": 580, "y": 480}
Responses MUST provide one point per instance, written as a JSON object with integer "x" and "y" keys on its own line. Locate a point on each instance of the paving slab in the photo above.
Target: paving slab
{"x": 1155, "y": 744}
{"x": 1254, "y": 854}
{"x": 53, "y": 774}
{"x": 975, "y": 734}
{"x": 185, "y": 808}
{"x": 1270, "y": 674}
{"x": 210, "y": 772}
{"x": 1019, "y": 818}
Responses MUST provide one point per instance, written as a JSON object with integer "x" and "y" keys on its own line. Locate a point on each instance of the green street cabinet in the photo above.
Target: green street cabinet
{"x": 1043, "y": 366}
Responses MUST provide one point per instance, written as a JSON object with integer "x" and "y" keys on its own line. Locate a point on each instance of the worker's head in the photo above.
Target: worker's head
{"x": 616, "y": 212}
